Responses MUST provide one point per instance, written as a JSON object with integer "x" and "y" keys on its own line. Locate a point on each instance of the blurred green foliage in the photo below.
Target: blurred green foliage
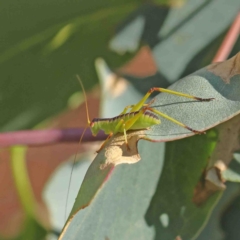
{"x": 43, "y": 45}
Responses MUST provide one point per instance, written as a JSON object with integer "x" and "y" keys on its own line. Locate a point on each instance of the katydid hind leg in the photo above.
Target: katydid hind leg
{"x": 132, "y": 106}
{"x": 126, "y": 109}
{"x": 140, "y": 104}
{"x": 174, "y": 120}
{"x": 124, "y": 126}
{"x": 129, "y": 123}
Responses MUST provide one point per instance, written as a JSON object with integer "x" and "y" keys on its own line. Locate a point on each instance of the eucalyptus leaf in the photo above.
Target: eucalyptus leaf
{"x": 173, "y": 209}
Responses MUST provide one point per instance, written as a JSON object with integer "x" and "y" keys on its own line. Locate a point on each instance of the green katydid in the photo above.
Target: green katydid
{"x": 135, "y": 117}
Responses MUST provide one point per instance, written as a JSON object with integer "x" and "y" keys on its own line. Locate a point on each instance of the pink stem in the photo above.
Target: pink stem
{"x": 50, "y": 136}
{"x": 229, "y": 41}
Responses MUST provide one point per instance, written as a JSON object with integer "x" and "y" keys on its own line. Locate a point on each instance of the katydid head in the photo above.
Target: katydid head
{"x": 94, "y": 127}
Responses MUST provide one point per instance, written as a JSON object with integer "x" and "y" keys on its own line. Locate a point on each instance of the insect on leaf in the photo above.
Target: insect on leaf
{"x": 198, "y": 115}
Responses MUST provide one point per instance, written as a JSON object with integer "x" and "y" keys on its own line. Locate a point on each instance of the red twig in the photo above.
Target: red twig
{"x": 229, "y": 41}
{"x": 50, "y": 136}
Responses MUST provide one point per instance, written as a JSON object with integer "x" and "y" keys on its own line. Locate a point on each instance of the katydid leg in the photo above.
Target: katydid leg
{"x": 173, "y": 120}
{"x": 116, "y": 130}
{"x": 104, "y": 143}
{"x": 126, "y": 108}
{"x": 129, "y": 123}
{"x": 140, "y": 104}
{"x": 124, "y": 126}
{"x": 131, "y": 106}
{"x": 125, "y": 136}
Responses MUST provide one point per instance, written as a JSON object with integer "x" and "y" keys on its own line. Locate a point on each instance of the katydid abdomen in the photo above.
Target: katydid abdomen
{"x": 108, "y": 125}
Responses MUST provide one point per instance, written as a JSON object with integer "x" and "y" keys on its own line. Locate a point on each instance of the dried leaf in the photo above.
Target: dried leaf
{"x": 116, "y": 151}
{"x": 227, "y": 69}
{"x": 228, "y": 142}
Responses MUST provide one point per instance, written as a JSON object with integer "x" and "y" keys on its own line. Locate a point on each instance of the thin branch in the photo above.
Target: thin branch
{"x": 46, "y": 137}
